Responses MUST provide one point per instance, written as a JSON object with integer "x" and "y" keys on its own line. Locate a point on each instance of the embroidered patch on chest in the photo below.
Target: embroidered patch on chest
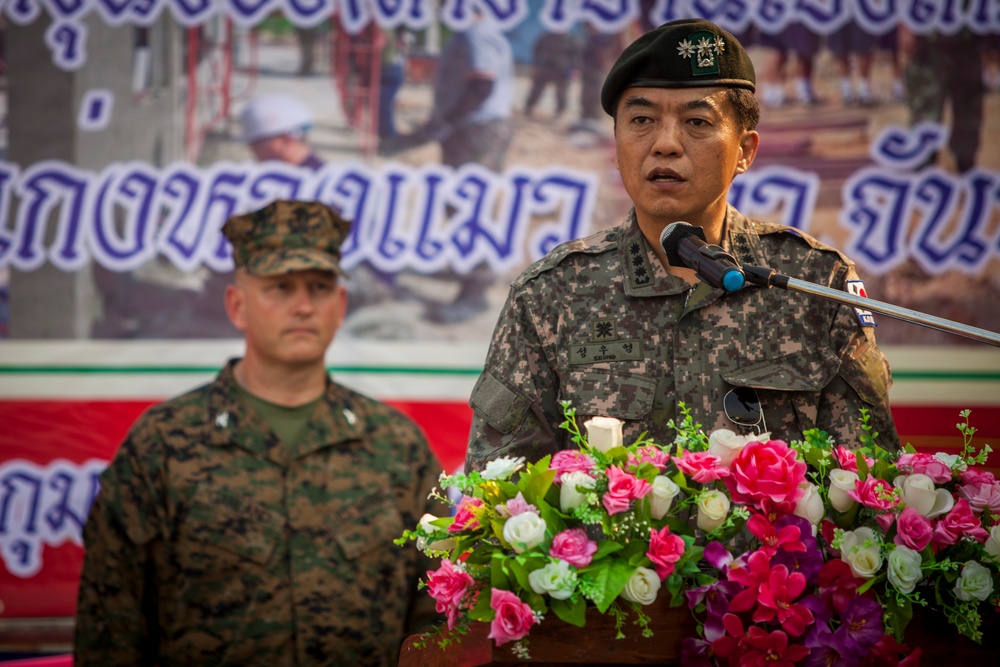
{"x": 865, "y": 317}
{"x": 613, "y": 350}
{"x": 604, "y": 330}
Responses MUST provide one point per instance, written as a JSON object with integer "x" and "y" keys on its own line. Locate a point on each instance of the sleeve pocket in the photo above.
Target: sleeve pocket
{"x": 801, "y": 371}
{"x": 869, "y": 376}
{"x": 503, "y": 407}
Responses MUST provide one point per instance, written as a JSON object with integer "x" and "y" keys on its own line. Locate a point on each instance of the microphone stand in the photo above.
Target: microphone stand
{"x": 766, "y": 277}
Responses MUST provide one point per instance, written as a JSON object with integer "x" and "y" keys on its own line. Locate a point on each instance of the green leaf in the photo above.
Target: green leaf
{"x": 482, "y": 610}
{"x": 574, "y": 613}
{"x": 610, "y": 576}
{"x": 535, "y": 486}
{"x": 499, "y": 577}
{"x": 899, "y": 614}
{"x": 606, "y": 549}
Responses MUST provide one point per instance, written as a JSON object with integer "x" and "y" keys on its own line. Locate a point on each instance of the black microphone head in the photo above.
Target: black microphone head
{"x": 671, "y": 237}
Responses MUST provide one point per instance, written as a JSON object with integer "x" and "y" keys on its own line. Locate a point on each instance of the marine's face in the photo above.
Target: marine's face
{"x": 288, "y": 319}
{"x": 678, "y": 150}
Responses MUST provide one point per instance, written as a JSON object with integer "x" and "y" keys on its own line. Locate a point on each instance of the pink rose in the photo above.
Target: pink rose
{"x": 448, "y": 585}
{"x": 623, "y": 488}
{"x": 664, "y": 550}
{"x": 649, "y": 454}
{"x": 464, "y": 518}
{"x": 981, "y": 496}
{"x": 574, "y": 547}
{"x": 766, "y": 473}
{"x": 848, "y": 460}
{"x": 513, "y": 620}
{"x": 514, "y": 506}
{"x": 925, "y": 464}
{"x": 875, "y": 493}
{"x": 702, "y": 467}
{"x": 958, "y": 523}
{"x": 571, "y": 460}
{"x": 975, "y": 476}
{"x": 913, "y": 529}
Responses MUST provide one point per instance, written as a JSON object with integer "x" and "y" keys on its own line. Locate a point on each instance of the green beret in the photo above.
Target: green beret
{"x": 287, "y": 236}
{"x": 689, "y": 53}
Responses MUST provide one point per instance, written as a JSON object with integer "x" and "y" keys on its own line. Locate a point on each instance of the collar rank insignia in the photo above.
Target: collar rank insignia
{"x": 222, "y": 420}
{"x": 703, "y": 48}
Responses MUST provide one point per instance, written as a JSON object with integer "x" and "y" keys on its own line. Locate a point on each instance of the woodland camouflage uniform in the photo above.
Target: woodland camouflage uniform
{"x": 600, "y": 323}
{"x": 211, "y": 543}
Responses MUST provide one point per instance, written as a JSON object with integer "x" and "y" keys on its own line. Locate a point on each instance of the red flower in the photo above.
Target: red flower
{"x": 776, "y": 599}
{"x": 771, "y": 649}
{"x": 837, "y": 584}
{"x": 751, "y": 577}
{"x": 664, "y": 550}
{"x": 788, "y": 538}
{"x": 766, "y": 471}
{"x": 702, "y": 467}
{"x": 958, "y": 523}
{"x": 464, "y": 517}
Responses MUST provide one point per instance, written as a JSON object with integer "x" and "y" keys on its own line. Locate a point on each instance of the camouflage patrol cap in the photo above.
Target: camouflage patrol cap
{"x": 688, "y": 53}
{"x": 287, "y": 236}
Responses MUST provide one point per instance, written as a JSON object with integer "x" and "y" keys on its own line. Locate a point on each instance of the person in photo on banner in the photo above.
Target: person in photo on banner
{"x": 251, "y": 521}
{"x": 610, "y": 325}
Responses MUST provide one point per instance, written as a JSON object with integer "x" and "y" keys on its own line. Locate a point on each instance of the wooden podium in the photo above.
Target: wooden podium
{"x": 557, "y": 643}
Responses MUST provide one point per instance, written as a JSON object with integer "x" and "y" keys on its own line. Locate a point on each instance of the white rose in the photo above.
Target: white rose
{"x": 726, "y": 445}
{"x": 865, "y": 561}
{"x": 842, "y": 481}
{"x": 904, "y": 568}
{"x": 524, "y": 531}
{"x": 919, "y": 492}
{"x": 663, "y": 494}
{"x": 810, "y": 504}
{"x": 427, "y": 543}
{"x": 604, "y": 433}
{"x": 556, "y": 579}
{"x": 713, "y": 506}
{"x": 642, "y": 587}
{"x": 502, "y": 468}
{"x": 975, "y": 582}
{"x": 569, "y": 497}
{"x": 992, "y": 544}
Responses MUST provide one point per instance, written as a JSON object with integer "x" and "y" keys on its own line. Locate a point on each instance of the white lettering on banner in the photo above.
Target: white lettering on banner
{"x": 778, "y": 193}
{"x": 952, "y": 213}
{"x": 771, "y": 16}
{"x": 426, "y": 219}
{"x": 43, "y": 505}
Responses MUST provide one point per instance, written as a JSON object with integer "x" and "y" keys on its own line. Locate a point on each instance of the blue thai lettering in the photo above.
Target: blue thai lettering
{"x": 133, "y": 187}
{"x": 222, "y": 201}
{"x": 112, "y": 12}
{"x": 667, "y": 10}
{"x": 247, "y": 13}
{"x": 773, "y": 16}
{"x": 558, "y": 15}
{"x": 275, "y": 180}
{"x": 65, "y": 9}
{"x": 189, "y": 13}
{"x": 8, "y": 175}
{"x": 823, "y": 16}
{"x": 43, "y": 506}
{"x": 734, "y": 15}
{"x": 68, "y": 42}
{"x": 46, "y": 186}
{"x": 782, "y": 192}
{"x": 923, "y": 16}
{"x": 145, "y": 12}
{"x": 875, "y": 205}
{"x": 876, "y": 16}
{"x": 354, "y": 15}
{"x": 308, "y": 13}
{"x": 429, "y": 202}
{"x": 573, "y": 199}
{"x": 967, "y": 246}
{"x": 391, "y": 250}
{"x": 23, "y": 12}
{"x": 348, "y": 194}
{"x": 908, "y": 148}
{"x": 179, "y": 196}
{"x": 609, "y": 15}
{"x": 983, "y": 16}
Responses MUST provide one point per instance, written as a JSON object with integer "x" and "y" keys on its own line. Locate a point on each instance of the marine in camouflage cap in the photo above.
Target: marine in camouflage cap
{"x": 688, "y": 53}
{"x": 287, "y": 236}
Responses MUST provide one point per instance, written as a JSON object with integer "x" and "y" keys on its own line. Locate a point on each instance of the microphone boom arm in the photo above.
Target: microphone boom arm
{"x": 763, "y": 276}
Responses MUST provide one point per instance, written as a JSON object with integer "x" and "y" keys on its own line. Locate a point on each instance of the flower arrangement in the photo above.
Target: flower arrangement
{"x": 800, "y": 553}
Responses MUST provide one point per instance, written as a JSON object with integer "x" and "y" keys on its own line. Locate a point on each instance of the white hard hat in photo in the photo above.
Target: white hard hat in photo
{"x": 274, "y": 114}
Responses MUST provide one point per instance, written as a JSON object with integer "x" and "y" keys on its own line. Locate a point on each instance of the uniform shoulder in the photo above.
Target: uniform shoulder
{"x": 594, "y": 244}
{"x": 792, "y": 236}
{"x": 376, "y": 413}
{"x": 190, "y": 407}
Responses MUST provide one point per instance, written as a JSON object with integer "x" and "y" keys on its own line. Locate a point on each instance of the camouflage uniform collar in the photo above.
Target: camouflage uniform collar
{"x": 741, "y": 239}
{"x": 334, "y": 422}
{"x": 641, "y": 269}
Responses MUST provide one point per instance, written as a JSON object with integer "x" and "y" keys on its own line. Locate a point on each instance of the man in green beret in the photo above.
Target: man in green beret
{"x": 250, "y": 521}
{"x": 609, "y": 324}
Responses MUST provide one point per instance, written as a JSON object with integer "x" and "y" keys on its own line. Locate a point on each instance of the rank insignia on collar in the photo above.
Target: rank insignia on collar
{"x": 703, "y": 48}
{"x": 865, "y": 317}
{"x": 222, "y": 420}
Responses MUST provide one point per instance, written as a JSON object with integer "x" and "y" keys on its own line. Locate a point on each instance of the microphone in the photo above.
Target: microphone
{"x": 684, "y": 245}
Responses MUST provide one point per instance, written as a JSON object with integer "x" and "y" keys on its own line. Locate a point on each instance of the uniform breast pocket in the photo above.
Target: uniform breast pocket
{"x": 224, "y": 530}
{"x": 625, "y": 396}
{"x": 369, "y": 524}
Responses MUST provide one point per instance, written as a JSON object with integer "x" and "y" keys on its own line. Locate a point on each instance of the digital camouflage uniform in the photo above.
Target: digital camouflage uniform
{"x": 600, "y": 323}
{"x": 212, "y": 543}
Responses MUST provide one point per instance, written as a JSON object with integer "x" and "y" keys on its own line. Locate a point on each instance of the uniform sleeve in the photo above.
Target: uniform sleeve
{"x": 116, "y": 621}
{"x": 515, "y": 402}
{"x": 862, "y": 382}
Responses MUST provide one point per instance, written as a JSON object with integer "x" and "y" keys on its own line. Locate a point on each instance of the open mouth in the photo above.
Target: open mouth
{"x": 664, "y": 176}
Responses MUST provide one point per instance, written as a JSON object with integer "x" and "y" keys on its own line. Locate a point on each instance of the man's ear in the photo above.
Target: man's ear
{"x": 748, "y": 151}
{"x": 235, "y": 306}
